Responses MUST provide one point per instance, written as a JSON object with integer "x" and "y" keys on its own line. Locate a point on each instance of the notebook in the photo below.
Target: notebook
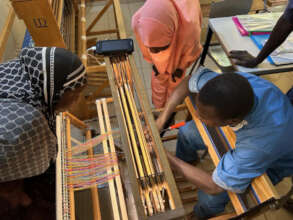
{"x": 282, "y": 55}
{"x": 256, "y": 24}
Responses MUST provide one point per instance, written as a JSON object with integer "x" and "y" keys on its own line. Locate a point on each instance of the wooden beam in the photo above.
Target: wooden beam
{"x": 262, "y": 185}
{"x": 109, "y": 170}
{"x": 119, "y": 19}
{"x": 91, "y": 42}
{"x": 224, "y": 217}
{"x": 101, "y": 13}
{"x": 96, "y": 69}
{"x": 75, "y": 121}
{"x": 111, "y": 31}
{"x": 59, "y": 178}
{"x": 73, "y": 31}
{"x": 169, "y": 138}
{"x": 60, "y": 12}
{"x": 6, "y": 31}
{"x": 189, "y": 200}
{"x": 71, "y": 192}
{"x": 215, "y": 158}
{"x": 83, "y": 34}
{"x": 94, "y": 189}
{"x": 116, "y": 168}
{"x": 187, "y": 189}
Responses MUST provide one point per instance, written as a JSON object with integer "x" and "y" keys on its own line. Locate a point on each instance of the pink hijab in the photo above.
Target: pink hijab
{"x": 177, "y": 23}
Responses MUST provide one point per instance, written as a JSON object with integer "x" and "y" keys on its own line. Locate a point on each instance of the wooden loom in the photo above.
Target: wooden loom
{"x": 153, "y": 185}
{"x": 67, "y": 169}
{"x": 221, "y": 140}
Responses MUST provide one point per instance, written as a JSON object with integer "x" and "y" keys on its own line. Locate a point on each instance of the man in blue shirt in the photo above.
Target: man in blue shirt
{"x": 262, "y": 118}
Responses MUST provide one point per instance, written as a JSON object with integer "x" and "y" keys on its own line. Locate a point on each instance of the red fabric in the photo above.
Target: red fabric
{"x": 177, "y": 23}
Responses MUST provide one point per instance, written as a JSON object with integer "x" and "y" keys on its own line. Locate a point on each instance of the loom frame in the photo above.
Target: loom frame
{"x": 179, "y": 211}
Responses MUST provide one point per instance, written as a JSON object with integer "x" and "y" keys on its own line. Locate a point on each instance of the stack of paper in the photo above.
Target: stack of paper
{"x": 282, "y": 55}
{"x": 256, "y": 24}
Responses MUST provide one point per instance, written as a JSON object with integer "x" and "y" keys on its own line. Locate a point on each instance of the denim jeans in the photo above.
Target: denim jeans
{"x": 189, "y": 142}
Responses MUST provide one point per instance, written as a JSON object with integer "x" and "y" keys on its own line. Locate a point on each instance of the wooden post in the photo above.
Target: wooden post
{"x": 6, "y": 31}
{"x": 119, "y": 19}
{"x": 94, "y": 189}
{"x": 71, "y": 191}
{"x": 83, "y": 34}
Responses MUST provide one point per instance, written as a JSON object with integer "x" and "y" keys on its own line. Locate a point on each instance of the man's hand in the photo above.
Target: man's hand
{"x": 243, "y": 58}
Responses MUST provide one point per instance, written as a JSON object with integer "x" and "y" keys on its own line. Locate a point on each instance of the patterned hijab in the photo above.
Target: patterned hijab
{"x": 40, "y": 76}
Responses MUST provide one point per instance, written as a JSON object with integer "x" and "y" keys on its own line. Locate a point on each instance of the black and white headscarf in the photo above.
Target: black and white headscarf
{"x": 30, "y": 87}
{"x": 52, "y": 71}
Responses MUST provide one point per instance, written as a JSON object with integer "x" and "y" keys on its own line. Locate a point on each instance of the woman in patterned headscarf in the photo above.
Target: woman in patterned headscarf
{"x": 32, "y": 88}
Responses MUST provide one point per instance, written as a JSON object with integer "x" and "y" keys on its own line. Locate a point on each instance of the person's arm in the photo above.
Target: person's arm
{"x": 196, "y": 176}
{"x": 279, "y": 34}
{"x": 177, "y": 97}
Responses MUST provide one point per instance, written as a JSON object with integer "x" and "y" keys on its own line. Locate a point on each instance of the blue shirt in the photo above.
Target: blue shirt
{"x": 264, "y": 143}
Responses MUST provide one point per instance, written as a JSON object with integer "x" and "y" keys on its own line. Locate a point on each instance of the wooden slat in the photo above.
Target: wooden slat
{"x": 59, "y": 183}
{"x": 272, "y": 3}
{"x": 187, "y": 189}
{"x": 72, "y": 31}
{"x": 60, "y": 13}
{"x": 189, "y": 200}
{"x": 119, "y": 19}
{"x": 116, "y": 168}
{"x": 109, "y": 170}
{"x": 101, "y": 13}
{"x": 97, "y": 79}
{"x": 224, "y": 217}
{"x": 96, "y": 69}
{"x": 94, "y": 189}
{"x": 169, "y": 138}
{"x": 262, "y": 185}
{"x": 6, "y": 31}
{"x": 71, "y": 192}
{"x": 233, "y": 197}
{"x": 110, "y": 31}
{"x": 40, "y": 21}
{"x": 75, "y": 121}
{"x": 83, "y": 34}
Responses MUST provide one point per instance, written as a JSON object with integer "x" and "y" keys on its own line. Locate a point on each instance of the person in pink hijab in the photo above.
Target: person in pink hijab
{"x": 168, "y": 34}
